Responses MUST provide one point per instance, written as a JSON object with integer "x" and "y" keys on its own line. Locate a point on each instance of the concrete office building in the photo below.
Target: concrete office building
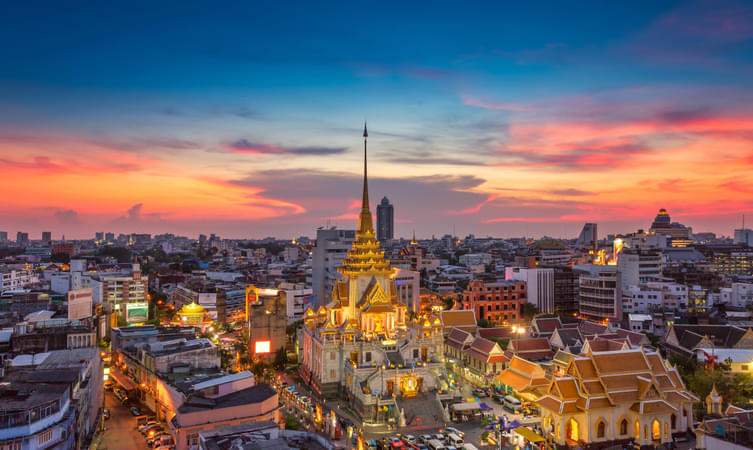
{"x": 331, "y": 248}
{"x": 600, "y": 292}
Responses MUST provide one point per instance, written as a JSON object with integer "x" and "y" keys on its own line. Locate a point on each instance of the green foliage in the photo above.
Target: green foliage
{"x": 528, "y": 311}
{"x": 449, "y": 303}
{"x": 64, "y": 258}
{"x": 484, "y": 435}
{"x": 484, "y": 323}
{"x": 502, "y": 342}
{"x": 121, "y": 254}
{"x": 291, "y": 329}
{"x": 122, "y": 322}
{"x": 735, "y": 389}
{"x": 259, "y": 367}
{"x": 291, "y": 423}
{"x": 281, "y": 358}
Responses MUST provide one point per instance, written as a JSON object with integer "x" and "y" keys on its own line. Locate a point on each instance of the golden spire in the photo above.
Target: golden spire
{"x": 364, "y": 219}
{"x": 365, "y": 256}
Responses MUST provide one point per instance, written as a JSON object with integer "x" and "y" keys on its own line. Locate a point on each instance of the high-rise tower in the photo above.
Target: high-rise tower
{"x": 385, "y": 220}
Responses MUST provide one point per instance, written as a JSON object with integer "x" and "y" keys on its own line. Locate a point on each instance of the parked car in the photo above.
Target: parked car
{"x": 425, "y": 438}
{"x": 150, "y": 428}
{"x": 106, "y": 413}
{"x": 135, "y": 411}
{"x": 409, "y": 438}
{"x": 145, "y": 424}
{"x": 499, "y": 398}
{"x": 480, "y": 393}
{"x": 144, "y": 419}
{"x": 156, "y": 437}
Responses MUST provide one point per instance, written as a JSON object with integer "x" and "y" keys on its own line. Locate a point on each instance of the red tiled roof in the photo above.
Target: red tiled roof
{"x": 531, "y": 344}
{"x": 547, "y": 325}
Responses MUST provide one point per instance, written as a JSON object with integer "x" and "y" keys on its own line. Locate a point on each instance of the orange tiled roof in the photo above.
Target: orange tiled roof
{"x": 514, "y": 379}
{"x": 457, "y": 318}
{"x": 617, "y": 362}
{"x": 549, "y": 403}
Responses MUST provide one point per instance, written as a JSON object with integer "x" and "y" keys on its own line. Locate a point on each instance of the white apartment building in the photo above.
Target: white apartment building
{"x": 641, "y": 300}
{"x": 473, "y": 259}
{"x": 600, "y": 292}
{"x": 539, "y": 285}
{"x": 739, "y": 294}
{"x": 17, "y": 278}
{"x": 296, "y": 302}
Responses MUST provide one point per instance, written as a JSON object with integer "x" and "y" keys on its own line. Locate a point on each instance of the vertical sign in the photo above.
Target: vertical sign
{"x": 250, "y": 299}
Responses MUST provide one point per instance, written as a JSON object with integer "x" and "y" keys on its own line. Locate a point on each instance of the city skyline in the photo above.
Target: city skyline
{"x": 246, "y": 123}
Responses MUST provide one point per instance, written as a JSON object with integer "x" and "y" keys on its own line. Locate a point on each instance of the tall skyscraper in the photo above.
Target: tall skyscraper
{"x": 99, "y": 236}
{"x": 385, "y": 220}
{"x": 3, "y": 236}
{"x": 46, "y": 236}
{"x": 22, "y": 238}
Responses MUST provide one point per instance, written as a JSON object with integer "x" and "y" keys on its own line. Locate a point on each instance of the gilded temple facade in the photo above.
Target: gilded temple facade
{"x": 361, "y": 344}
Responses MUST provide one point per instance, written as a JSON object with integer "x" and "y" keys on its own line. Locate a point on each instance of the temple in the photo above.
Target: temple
{"x": 611, "y": 399}
{"x": 361, "y": 344}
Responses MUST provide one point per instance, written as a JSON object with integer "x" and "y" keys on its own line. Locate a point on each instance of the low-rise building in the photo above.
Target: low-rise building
{"x": 499, "y": 302}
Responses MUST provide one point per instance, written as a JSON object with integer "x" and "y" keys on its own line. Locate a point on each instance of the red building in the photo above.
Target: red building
{"x": 69, "y": 248}
{"x": 499, "y": 302}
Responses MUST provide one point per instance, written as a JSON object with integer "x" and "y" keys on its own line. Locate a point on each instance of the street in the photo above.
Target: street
{"x": 120, "y": 429}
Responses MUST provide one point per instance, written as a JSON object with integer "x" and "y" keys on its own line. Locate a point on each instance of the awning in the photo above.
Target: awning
{"x": 485, "y": 407}
{"x": 122, "y": 380}
{"x": 468, "y": 406}
{"x": 528, "y": 435}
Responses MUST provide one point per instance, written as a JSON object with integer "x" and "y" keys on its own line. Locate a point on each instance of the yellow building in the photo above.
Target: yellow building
{"x": 615, "y": 397}
{"x": 193, "y": 314}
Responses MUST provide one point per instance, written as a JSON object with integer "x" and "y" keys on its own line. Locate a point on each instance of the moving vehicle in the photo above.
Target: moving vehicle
{"x": 106, "y": 413}
{"x": 425, "y": 438}
{"x": 499, "y": 398}
{"x": 135, "y": 411}
{"x": 512, "y": 404}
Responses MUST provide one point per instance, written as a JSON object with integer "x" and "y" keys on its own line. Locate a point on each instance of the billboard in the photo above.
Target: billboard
{"x": 262, "y": 347}
{"x": 137, "y": 312}
{"x": 251, "y": 297}
{"x": 80, "y": 303}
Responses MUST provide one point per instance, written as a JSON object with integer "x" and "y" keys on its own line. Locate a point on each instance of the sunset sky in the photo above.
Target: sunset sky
{"x": 244, "y": 121}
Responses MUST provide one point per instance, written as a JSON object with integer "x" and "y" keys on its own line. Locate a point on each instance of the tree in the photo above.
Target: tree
{"x": 528, "y": 311}
{"x": 121, "y": 254}
{"x": 64, "y": 258}
{"x": 291, "y": 423}
{"x": 484, "y": 323}
{"x": 281, "y": 358}
{"x": 291, "y": 329}
{"x": 449, "y": 303}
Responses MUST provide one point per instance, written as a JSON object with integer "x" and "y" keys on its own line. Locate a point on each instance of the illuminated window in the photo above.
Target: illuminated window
{"x": 637, "y": 430}
{"x": 262, "y": 346}
{"x": 655, "y": 430}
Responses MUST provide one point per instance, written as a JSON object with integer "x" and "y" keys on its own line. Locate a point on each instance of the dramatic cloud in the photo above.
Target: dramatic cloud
{"x": 255, "y": 148}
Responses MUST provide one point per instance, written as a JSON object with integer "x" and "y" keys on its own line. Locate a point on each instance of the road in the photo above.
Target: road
{"x": 120, "y": 429}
